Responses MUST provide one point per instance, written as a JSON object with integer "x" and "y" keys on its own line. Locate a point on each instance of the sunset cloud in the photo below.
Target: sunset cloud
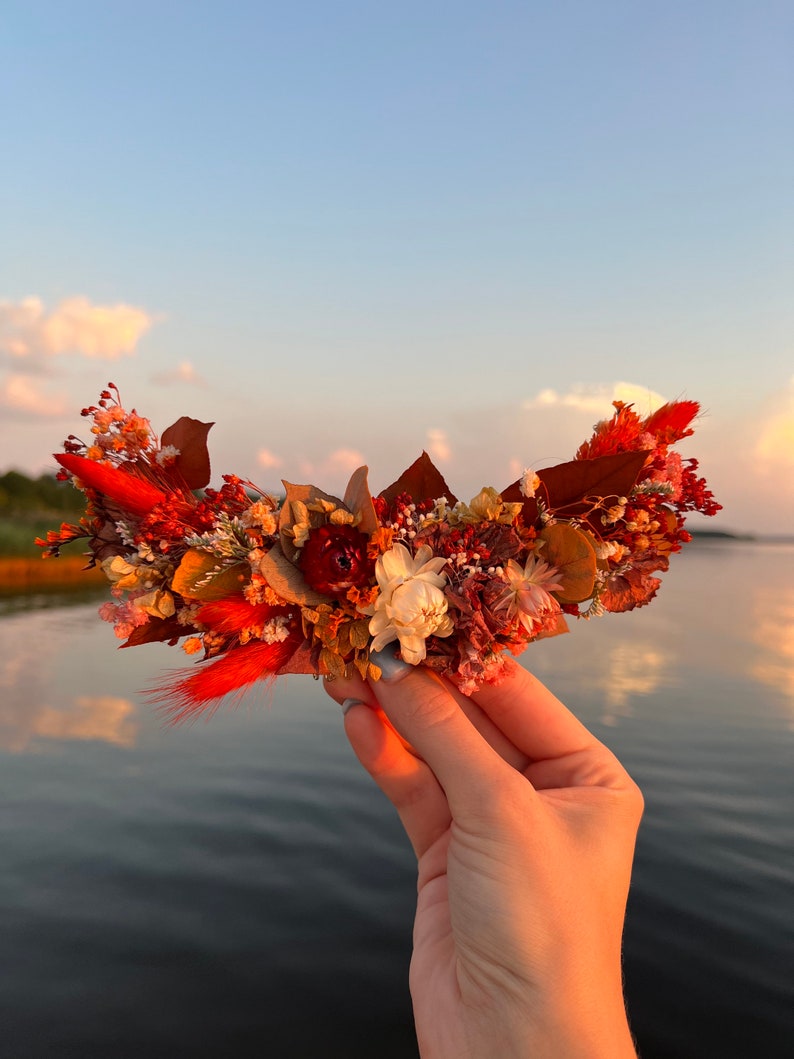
{"x": 266, "y": 458}
{"x": 333, "y": 471}
{"x": 75, "y": 326}
{"x": 184, "y": 372}
{"x": 91, "y": 717}
{"x": 21, "y": 395}
{"x": 774, "y": 447}
{"x": 597, "y": 400}
{"x": 342, "y": 461}
{"x": 438, "y": 445}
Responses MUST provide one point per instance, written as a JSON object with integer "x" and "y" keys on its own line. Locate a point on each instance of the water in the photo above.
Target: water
{"x": 239, "y": 887}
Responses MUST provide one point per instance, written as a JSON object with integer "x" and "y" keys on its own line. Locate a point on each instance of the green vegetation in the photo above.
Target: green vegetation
{"x": 31, "y": 506}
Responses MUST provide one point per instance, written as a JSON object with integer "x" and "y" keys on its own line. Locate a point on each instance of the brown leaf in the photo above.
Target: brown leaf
{"x": 359, "y": 633}
{"x": 358, "y": 499}
{"x": 572, "y": 553}
{"x": 193, "y": 462}
{"x": 331, "y": 663}
{"x": 513, "y": 495}
{"x": 568, "y": 484}
{"x": 559, "y": 629}
{"x": 303, "y": 494}
{"x": 155, "y": 630}
{"x": 422, "y": 481}
{"x": 198, "y": 566}
{"x": 362, "y": 664}
{"x": 286, "y": 579}
{"x": 106, "y": 543}
{"x": 566, "y": 488}
{"x": 300, "y": 662}
{"x": 626, "y": 591}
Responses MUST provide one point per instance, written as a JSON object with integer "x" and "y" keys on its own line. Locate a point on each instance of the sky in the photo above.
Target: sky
{"x": 346, "y": 232}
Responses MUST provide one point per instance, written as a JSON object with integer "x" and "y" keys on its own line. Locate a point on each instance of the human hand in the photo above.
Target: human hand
{"x": 523, "y": 826}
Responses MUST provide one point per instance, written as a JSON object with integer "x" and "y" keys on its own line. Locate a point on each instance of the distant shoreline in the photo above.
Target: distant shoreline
{"x": 741, "y": 538}
{"x": 20, "y": 572}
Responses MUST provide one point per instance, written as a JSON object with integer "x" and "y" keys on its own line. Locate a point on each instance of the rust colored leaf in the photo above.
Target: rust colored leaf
{"x": 155, "y": 631}
{"x": 559, "y": 629}
{"x": 197, "y": 567}
{"x": 359, "y": 633}
{"x": 286, "y": 579}
{"x": 567, "y": 487}
{"x": 626, "y": 591}
{"x": 513, "y": 495}
{"x": 106, "y": 542}
{"x": 422, "y": 481}
{"x": 572, "y": 553}
{"x": 331, "y": 663}
{"x": 193, "y": 462}
{"x": 300, "y": 662}
{"x": 358, "y": 499}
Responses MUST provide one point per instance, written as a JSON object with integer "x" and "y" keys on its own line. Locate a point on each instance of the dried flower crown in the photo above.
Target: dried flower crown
{"x": 314, "y": 583}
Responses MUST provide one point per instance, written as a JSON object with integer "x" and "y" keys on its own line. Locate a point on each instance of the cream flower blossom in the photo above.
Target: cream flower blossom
{"x": 411, "y": 605}
{"x": 129, "y": 577}
{"x": 530, "y": 483}
{"x": 527, "y": 595}
{"x": 486, "y": 506}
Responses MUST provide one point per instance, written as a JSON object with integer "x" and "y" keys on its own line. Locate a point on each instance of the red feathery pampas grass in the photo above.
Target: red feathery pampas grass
{"x": 231, "y": 616}
{"x": 132, "y": 492}
{"x": 186, "y": 697}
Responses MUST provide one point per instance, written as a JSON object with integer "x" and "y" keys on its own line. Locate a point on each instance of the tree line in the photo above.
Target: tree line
{"x": 24, "y": 496}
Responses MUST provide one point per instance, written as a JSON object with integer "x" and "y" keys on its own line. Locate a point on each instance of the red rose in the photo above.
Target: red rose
{"x": 334, "y": 559}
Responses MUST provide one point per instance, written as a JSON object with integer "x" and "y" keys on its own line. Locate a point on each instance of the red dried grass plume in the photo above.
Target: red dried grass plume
{"x": 186, "y": 697}
{"x": 132, "y": 493}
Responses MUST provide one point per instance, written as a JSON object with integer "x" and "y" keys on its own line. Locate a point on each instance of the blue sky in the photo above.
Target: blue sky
{"x": 346, "y": 231}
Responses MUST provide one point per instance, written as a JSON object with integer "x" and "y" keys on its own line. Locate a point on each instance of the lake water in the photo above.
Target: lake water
{"x": 240, "y": 888}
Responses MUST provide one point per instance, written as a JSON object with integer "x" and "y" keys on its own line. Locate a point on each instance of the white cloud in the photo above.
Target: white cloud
{"x": 184, "y": 372}
{"x": 597, "y": 399}
{"x": 438, "y": 445}
{"x": 103, "y": 332}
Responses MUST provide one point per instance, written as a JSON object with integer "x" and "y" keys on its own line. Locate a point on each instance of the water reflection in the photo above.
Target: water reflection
{"x": 773, "y": 634}
{"x": 244, "y": 859}
{"x": 623, "y": 659}
{"x": 632, "y": 669}
{"x": 103, "y": 717}
{"x": 39, "y": 699}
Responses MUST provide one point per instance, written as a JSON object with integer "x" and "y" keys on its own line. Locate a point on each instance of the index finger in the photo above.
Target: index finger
{"x": 425, "y": 711}
{"x": 532, "y": 717}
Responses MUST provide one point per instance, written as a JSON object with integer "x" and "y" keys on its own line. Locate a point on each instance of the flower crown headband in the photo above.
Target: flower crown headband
{"x": 314, "y": 583}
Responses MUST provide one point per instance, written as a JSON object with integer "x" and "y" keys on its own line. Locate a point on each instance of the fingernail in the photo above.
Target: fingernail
{"x": 348, "y": 704}
{"x": 391, "y": 667}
